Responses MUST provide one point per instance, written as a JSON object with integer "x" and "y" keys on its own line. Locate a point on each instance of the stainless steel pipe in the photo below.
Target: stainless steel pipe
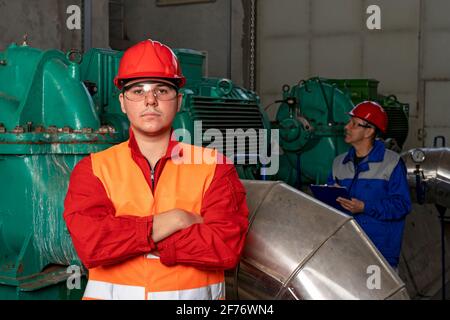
{"x": 299, "y": 248}
{"x": 433, "y": 167}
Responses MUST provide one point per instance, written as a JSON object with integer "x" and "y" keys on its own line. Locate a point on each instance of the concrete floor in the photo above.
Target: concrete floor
{"x": 438, "y": 295}
{"x": 420, "y": 263}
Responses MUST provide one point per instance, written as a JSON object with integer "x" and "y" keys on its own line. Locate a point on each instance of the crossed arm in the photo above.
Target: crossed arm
{"x": 214, "y": 239}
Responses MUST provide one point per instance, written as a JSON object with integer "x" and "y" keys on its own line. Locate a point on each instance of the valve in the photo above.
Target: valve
{"x": 421, "y": 185}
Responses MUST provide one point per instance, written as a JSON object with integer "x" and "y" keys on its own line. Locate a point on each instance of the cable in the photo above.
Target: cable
{"x": 265, "y": 109}
{"x": 291, "y": 101}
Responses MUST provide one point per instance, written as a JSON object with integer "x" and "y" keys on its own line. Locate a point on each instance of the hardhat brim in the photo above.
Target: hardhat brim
{"x": 178, "y": 81}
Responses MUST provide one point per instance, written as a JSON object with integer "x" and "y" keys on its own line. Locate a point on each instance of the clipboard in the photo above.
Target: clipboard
{"x": 329, "y": 194}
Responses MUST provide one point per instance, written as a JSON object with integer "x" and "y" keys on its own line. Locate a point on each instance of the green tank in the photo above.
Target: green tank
{"x": 47, "y": 124}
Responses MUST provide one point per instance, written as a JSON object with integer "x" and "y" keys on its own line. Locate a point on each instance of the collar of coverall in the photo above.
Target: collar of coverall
{"x": 375, "y": 155}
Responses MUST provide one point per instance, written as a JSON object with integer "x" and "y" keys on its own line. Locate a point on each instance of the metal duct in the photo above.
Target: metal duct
{"x": 299, "y": 248}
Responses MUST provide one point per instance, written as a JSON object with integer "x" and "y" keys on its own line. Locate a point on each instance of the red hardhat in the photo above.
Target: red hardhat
{"x": 149, "y": 59}
{"x": 371, "y": 112}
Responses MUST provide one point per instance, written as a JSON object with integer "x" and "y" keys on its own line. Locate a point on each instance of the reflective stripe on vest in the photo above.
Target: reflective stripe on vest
{"x": 181, "y": 185}
{"x": 109, "y": 291}
{"x": 211, "y": 292}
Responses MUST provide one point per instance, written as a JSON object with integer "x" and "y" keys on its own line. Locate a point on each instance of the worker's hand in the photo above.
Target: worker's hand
{"x": 169, "y": 222}
{"x": 354, "y": 205}
{"x": 189, "y": 218}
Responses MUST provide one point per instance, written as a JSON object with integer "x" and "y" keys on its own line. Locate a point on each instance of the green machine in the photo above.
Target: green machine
{"x": 219, "y": 114}
{"x": 311, "y": 119}
{"x": 57, "y": 108}
{"x": 367, "y": 89}
{"x": 48, "y": 122}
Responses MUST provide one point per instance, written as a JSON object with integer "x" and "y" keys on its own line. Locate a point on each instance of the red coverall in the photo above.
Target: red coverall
{"x": 214, "y": 244}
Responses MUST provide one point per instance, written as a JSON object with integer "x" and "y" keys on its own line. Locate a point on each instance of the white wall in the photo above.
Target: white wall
{"x": 298, "y": 39}
{"x": 435, "y": 69}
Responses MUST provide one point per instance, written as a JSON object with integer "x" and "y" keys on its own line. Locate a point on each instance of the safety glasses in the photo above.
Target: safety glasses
{"x": 139, "y": 91}
{"x": 354, "y": 123}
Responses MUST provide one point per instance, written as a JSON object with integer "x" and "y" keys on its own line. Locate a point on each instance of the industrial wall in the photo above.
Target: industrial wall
{"x": 298, "y": 39}
{"x": 45, "y": 24}
{"x": 200, "y": 26}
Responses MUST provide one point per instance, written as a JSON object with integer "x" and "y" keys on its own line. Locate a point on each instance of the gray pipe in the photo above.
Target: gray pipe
{"x": 432, "y": 166}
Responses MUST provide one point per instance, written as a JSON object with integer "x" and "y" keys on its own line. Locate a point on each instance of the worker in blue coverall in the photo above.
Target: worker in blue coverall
{"x": 376, "y": 180}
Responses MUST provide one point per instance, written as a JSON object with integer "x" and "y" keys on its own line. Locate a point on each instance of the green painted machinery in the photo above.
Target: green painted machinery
{"x": 311, "y": 120}
{"x": 231, "y": 117}
{"x": 55, "y": 109}
{"x": 48, "y": 122}
{"x": 398, "y": 113}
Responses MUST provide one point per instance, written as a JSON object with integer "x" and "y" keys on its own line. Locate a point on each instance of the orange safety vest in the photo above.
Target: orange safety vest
{"x": 180, "y": 186}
